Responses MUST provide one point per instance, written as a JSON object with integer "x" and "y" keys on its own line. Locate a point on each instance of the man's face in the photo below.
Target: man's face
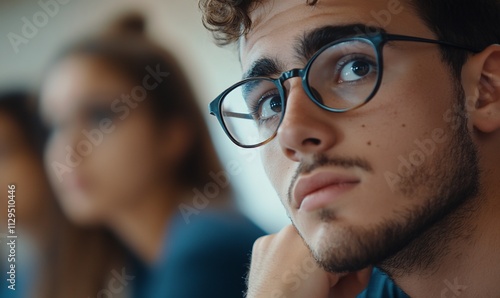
{"x": 360, "y": 185}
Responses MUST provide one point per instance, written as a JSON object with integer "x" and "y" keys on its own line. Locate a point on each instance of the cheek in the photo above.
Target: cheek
{"x": 403, "y": 130}
{"x": 279, "y": 169}
{"x": 125, "y": 162}
{"x": 61, "y": 167}
{"x": 56, "y": 157}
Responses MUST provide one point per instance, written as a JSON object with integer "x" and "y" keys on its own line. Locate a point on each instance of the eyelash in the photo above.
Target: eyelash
{"x": 344, "y": 61}
{"x": 254, "y": 105}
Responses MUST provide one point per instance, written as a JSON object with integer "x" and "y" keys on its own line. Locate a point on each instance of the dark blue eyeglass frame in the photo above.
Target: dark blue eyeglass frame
{"x": 377, "y": 41}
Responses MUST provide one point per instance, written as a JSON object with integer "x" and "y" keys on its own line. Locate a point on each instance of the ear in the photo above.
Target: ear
{"x": 481, "y": 81}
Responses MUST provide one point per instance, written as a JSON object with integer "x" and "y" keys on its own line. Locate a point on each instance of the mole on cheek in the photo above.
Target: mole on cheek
{"x": 404, "y": 125}
{"x": 369, "y": 143}
{"x": 363, "y": 126}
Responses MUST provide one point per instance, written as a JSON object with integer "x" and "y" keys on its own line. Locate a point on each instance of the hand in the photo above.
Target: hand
{"x": 282, "y": 267}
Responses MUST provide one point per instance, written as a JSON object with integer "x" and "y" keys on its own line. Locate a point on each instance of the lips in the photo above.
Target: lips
{"x": 320, "y": 189}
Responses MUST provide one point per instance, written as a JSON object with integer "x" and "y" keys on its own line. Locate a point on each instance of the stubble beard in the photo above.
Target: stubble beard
{"x": 415, "y": 238}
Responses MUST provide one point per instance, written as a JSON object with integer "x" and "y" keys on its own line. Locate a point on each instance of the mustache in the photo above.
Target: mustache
{"x": 322, "y": 160}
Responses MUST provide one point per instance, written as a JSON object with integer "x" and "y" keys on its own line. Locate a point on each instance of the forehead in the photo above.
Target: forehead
{"x": 277, "y": 25}
{"x": 77, "y": 79}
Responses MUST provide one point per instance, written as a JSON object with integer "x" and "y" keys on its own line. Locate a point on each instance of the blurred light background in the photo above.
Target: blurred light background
{"x": 175, "y": 24}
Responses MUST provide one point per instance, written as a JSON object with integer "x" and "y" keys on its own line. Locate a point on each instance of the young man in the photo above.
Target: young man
{"x": 379, "y": 127}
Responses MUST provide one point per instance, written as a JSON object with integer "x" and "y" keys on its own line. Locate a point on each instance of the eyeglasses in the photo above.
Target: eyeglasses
{"x": 342, "y": 76}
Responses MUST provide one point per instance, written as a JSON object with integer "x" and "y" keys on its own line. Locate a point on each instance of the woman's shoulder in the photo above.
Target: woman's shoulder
{"x": 213, "y": 229}
{"x": 207, "y": 256}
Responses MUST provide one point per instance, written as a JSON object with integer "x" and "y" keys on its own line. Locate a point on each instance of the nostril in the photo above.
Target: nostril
{"x": 311, "y": 141}
{"x": 289, "y": 152}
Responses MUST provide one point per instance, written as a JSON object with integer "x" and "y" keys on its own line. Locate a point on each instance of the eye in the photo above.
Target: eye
{"x": 97, "y": 114}
{"x": 355, "y": 70}
{"x": 269, "y": 106}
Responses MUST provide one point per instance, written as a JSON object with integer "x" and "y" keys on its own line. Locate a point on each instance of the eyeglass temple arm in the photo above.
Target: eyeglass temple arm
{"x": 397, "y": 37}
{"x": 238, "y": 115}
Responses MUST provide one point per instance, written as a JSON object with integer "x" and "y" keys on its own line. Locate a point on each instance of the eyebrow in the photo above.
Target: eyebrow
{"x": 264, "y": 67}
{"x": 307, "y": 45}
{"x": 312, "y": 41}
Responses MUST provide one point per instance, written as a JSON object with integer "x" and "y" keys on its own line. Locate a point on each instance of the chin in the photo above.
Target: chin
{"x": 340, "y": 251}
{"x": 81, "y": 214}
{"x": 340, "y": 246}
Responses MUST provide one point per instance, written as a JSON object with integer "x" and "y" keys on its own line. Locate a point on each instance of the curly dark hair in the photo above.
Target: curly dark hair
{"x": 228, "y": 20}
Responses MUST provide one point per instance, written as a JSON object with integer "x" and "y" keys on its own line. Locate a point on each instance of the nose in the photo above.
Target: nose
{"x": 72, "y": 133}
{"x": 306, "y": 128}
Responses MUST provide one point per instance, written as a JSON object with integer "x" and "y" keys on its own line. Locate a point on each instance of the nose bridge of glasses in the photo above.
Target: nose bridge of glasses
{"x": 292, "y": 73}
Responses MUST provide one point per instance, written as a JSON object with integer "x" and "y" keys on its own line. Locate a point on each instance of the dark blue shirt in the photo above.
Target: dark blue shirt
{"x": 381, "y": 286}
{"x": 207, "y": 257}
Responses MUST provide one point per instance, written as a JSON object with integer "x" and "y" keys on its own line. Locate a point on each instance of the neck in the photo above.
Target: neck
{"x": 461, "y": 253}
{"x": 141, "y": 226}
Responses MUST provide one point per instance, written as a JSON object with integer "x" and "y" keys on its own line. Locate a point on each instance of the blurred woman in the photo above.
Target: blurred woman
{"x": 48, "y": 247}
{"x": 129, "y": 151}
{"x": 21, "y": 167}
